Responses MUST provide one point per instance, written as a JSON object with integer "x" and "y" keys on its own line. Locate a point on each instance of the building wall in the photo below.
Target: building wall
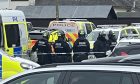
{"x": 4, "y": 4}
{"x": 12, "y": 4}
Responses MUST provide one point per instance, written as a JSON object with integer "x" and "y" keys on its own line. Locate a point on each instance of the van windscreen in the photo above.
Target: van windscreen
{"x": 12, "y": 35}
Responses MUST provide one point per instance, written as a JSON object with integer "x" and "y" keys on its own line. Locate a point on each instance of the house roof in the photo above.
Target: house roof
{"x": 98, "y": 11}
{"x": 128, "y": 14}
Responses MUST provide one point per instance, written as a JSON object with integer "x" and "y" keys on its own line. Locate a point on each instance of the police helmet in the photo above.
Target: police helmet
{"x": 102, "y": 34}
{"x": 61, "y": 34}
{"x": 81, "y": 33}
{"x": 46, "y": 35}
{"x": 111, "y": 32}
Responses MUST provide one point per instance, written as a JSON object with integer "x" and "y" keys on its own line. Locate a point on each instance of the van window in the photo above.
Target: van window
{"x": 12, "y": 34}
{"x": 23, "y": 34}
{"x": 91, "y": 77}
{"x": 88, "y": 28}
{"x": 131, "y": 31}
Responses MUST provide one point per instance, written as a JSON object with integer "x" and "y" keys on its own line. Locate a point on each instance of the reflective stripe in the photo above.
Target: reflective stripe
{"x": 76, "y": 35}
{"x": 17, "y": 51}
{"x": 32, "y": 43}
{"x": 72, "y": 36}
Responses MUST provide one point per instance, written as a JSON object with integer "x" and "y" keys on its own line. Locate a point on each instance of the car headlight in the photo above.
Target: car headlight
{"x": 26, "y": 66}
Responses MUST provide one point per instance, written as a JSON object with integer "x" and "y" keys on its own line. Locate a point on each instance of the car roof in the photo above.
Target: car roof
{"x": 119, "y": 28}
{"x": 107, "y": 29}
{"x": 129, "y": 40}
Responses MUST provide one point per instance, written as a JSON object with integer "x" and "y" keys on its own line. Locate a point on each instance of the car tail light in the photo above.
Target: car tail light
{"x": 123, "y": 54}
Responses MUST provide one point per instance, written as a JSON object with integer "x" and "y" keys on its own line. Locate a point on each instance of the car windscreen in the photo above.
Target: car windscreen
{"x": 94, "y": 35}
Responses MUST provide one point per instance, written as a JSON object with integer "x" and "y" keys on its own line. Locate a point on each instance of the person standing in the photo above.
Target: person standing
{"x": 101, "y": 45}
{"x": 81, "y": 48}
{"x": 112, "y": 40}
{"x": 62, "y": 49}
{"x": 43, "y": 49}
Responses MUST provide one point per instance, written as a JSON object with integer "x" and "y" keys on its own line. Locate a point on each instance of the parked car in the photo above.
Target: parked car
{"x": 120, "y": 32}
{"x": 79, "y": 73}
{"x": 127, "y": 46}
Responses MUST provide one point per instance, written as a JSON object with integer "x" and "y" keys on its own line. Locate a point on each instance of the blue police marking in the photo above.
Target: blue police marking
{"x": 15, "y": 19}
{"x": 17, "y": 51}
{"x": 0, "y": 66}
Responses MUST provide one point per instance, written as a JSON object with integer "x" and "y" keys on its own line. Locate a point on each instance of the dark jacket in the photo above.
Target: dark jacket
{"x": 81, "y": 45}
{"x": 112, "y": 41}
{"x": 61, "y": 46}
{"x": 42, "y": 45}
{"x": 81, "y": 48}
{"x": 43, "y": 49}
{"x": 101, "y": 45}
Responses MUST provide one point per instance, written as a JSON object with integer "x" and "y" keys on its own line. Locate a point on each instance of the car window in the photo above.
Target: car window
{"x": 92, "y": 77}
{"x": 123, "y": 33}
{"x": 131, "y": 31}
{"x": 40, "y": 78}
{"x": 127, "y": 79}
{"x": 88, "y": 28}
{"x": 94, "y": 35}
{"x": 134, "y": 51}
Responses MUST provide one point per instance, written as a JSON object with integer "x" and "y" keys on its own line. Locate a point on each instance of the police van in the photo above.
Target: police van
{"x": 13, "y": 43}
{"x": 14, "y": 33}
{"x": 10, "y": 65}
{"x": 72, "y": 26}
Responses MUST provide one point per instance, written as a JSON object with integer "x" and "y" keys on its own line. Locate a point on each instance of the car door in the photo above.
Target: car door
{"x": 51, "y": 77}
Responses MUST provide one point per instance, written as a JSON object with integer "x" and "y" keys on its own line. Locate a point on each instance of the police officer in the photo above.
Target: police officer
{"x": 112, "y": 40}
{"x": 81, "y": 48}
{"x": 43, "y": 49}
{"x": 62, "y": 49}
{"x": 101, "y": 45}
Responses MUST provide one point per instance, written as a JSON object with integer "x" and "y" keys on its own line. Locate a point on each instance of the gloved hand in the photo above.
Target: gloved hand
{"x": 108, "y": 53}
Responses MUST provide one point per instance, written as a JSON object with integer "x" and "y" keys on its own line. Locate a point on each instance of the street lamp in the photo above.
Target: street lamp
{"x": 57, "y": 10}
